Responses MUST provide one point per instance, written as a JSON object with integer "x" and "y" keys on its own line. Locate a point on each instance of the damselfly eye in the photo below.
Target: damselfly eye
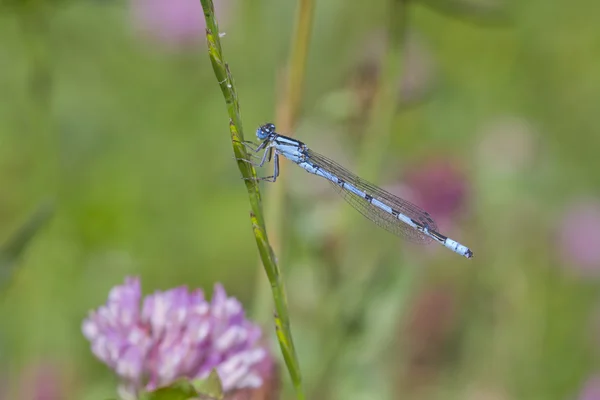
{"x": 265, "y": 130}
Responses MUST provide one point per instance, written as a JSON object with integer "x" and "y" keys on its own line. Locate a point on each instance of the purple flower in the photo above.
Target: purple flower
{"x": 176, "y": 334}
{"x": 427, "y": 332}
{"x": 579, "y": 236}
{"x": 43, "y": 380}
{"x": 174, "y": 23}
{"x": 440, "y": 187}
{"x": 591, "y": 389}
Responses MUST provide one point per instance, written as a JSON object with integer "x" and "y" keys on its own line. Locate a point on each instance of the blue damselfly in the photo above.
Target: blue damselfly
{"x": 390, "y": 212}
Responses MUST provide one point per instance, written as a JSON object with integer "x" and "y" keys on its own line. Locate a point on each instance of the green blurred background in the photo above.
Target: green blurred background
{"x": 119, "y": 124}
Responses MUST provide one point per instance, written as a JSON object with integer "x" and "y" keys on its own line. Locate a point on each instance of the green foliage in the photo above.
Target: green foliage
{"x": 28, "y": 6}
{"x": 179, "y": 390}
{"x": 199, "y": 389}
{"x": 15, "y": 246}
{"x": 228, "y": 88}
{"x": 210, "y": 386}
{"x": 478, "y": 12}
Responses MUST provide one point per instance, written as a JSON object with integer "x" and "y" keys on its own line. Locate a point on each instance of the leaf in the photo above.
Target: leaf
{"x": 179, "y": 390}
{"x": 475, "y": 11}
{"x": 12, "y": 249}
{"x": 210, "y": 387}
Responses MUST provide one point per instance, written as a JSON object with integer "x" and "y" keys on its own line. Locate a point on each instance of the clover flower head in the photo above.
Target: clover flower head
{"x": 174, "y": 334}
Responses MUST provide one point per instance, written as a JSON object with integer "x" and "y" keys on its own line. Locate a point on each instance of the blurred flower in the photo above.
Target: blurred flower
{"x": 439, "y": 186}
{"x": 481, "y": 391}
{"x": 579, "y": 236}
{"x": 43, "y": 381}
{"x": 355, "y": 100}
{"x": 418, "y": 72}
{"x": 176, "y": 334}
{"x": 268, "y": 391}
{"x": 431, "y": 319}
{"x": 507, "y": 145}
{"x": 591, "y": 389}
{"x": 175, "y": 23}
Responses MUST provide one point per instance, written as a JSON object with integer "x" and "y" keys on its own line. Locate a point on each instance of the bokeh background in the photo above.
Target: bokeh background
{"x": 115, "y": 160}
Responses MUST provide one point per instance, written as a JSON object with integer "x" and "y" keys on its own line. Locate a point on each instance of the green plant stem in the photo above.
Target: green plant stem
{"x": 383, "y": 111}
{"x": 286, "y": 121}
{"x": 34, "y": 20}
{"x": 16, "y": 244}
{"x": 376, "y": 139}
{"x": 296, "y": 66}
{"x": 381, "y": 118}
{"x": 228, "y": 88}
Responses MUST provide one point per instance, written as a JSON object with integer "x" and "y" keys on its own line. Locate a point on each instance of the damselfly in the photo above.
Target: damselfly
{"x": 390, "y": 212}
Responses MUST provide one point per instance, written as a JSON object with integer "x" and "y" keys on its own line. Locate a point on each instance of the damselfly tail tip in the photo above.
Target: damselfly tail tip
{"x": 469, "y": 254}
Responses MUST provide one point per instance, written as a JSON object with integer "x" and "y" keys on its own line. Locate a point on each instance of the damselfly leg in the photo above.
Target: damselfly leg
{"x": 267, "y": 155}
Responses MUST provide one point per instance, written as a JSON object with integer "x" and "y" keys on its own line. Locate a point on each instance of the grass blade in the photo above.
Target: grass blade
{"x": 227, "y": 85}
{"x": 14, "y": 247}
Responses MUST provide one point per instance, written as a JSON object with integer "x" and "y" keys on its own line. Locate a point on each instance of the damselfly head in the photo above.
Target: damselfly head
{"x": 265, "y": 130}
